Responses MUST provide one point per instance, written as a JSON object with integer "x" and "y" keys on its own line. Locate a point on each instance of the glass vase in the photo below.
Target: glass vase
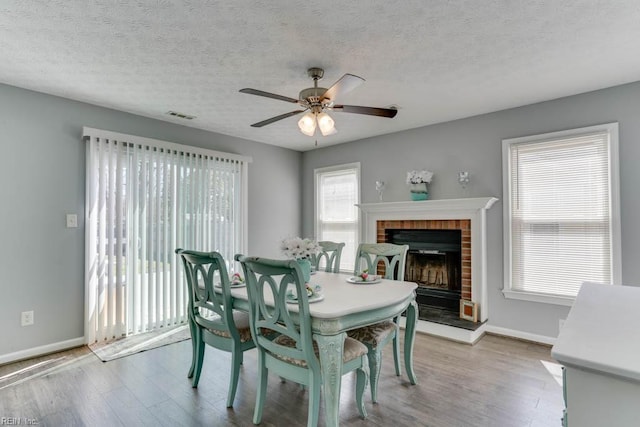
{"x": 419, "y": 191}
{"x": 305, "y": 266}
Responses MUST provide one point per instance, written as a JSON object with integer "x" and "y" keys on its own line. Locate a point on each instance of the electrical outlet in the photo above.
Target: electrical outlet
{"x": 72, "y": 221}
{"x": 27, "y": 318}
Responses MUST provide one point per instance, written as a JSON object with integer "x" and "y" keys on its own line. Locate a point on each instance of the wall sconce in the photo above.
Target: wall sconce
{"x": 380, "y": 188}
{"x": 463, "y": 179}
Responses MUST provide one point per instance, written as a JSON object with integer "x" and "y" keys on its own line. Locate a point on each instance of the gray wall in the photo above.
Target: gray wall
{"x": 42, "y": 176}
{"x": 474, "y": 144}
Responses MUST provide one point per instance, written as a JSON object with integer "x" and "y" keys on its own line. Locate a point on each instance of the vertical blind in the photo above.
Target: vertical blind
{"x": 337, "y": 193}
{"x": 144, "y": 199}
{"x": 561, "y": 219}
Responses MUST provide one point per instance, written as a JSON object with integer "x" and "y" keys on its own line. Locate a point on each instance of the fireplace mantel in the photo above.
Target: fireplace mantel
{"x": 473, "y": 209}
{"x": 469, "y": 206}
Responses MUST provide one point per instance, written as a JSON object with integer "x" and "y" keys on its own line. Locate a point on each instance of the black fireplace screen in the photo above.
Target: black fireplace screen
{"x": 434, "y": 262}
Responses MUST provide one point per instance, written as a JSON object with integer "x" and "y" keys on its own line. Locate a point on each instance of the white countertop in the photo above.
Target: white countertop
{"x": 602, "y": 331}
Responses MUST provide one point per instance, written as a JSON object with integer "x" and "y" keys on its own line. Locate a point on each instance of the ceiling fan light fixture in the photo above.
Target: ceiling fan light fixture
{"x": 313, "y": 101}
{"x": 307, "y": 124}
{"x": 326, "y": 124}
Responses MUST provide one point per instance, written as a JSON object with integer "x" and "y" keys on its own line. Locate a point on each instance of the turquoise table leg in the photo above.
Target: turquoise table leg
{"x": 331, "y": 349}
{"x": 409, "y": 337}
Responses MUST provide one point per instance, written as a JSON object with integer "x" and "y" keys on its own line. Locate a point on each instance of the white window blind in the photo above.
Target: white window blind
{"x": 337, "y": 217}
{"x": 560, "y": 211}
{"x": 144, "y": 199}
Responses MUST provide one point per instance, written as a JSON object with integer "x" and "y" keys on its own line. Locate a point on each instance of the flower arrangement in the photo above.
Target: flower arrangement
{"x": 298, "y": 248}
{"x": 418, "y": 181}
{"x": 236, "y": 279}
{"x": 418, "y": 177}
{"x": 312, "y": 291}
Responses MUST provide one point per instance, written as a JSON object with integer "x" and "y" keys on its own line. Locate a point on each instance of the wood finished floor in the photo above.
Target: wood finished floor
{"x": 497, "y": 382}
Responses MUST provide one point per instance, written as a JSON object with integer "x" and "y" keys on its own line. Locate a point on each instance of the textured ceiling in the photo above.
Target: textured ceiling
{"x": 435, "y": 60}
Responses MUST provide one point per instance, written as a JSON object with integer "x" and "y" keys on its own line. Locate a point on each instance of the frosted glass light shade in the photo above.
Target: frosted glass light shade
{"x": 307, "y": 124}
{"x": 326, "y": 124}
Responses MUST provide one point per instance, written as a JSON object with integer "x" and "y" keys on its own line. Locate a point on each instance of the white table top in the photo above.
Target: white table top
{"x": 601, "y": 332}
{"x": 342, "y": 298}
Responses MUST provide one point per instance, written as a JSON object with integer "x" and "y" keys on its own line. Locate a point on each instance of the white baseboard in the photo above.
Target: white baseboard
{"x": 471, "y": 337}
{"x": 543, "y": 339}
{"x": 39, "y": 351}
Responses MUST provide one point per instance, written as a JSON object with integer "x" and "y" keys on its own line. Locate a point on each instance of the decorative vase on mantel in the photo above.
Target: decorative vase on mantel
{"x": 305, "y": 266}
{"x": 419, "y": 191}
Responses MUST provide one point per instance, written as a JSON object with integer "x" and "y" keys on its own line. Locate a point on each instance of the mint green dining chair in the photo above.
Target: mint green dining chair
{"x": 212, "y": 321}
{"x": 293, "y": 354}
{"x": 391, "y": 259}
{"x": 329, "y": 256}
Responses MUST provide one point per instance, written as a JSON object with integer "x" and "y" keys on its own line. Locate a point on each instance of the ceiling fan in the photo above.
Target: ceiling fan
{"x": 316, "y": 101}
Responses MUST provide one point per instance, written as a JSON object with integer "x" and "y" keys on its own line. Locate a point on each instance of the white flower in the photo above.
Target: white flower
{"x": 416, "y": 177}
{"x": 296, "y": 247}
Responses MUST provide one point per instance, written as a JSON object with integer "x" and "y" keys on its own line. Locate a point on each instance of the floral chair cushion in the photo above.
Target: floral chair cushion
{"x": 241, "y": 320}
{"x": 352, "y": 350}
{"x": 374, "y": 334}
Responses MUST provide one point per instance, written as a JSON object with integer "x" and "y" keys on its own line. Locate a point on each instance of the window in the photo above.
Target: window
{"x": 561, "y": 213}
{"x": 337, "y": 191}
{"x": 144, "y": 199}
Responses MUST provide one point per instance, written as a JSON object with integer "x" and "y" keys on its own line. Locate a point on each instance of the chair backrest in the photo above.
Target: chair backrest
{"x": 330, "y": 253}
{"x": 369, "y": 255}
{"x": 269, "y": 282}
{"x": 209, "y": 290}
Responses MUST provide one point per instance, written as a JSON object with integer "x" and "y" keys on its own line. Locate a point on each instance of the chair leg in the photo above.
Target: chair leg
{"x": 200, "y": 345}
{"x": 396, "y": 353}
{"x": 375, "y": 363}
{"x": 236, "y": 361}
{"x": 192, "y": 330}
{"x": 262, "y": 388}
{"x": 396, "y": 346}
{"x": 361, "y": 384}
{"x": 314, "y": 399}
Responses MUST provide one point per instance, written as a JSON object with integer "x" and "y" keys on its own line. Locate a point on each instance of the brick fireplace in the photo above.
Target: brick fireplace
{"x": 466, "y": 215}
{"x": 463, "y": 226}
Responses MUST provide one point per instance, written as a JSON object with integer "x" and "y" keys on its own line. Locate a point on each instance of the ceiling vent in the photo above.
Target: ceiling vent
{"x": 180, "y": 115}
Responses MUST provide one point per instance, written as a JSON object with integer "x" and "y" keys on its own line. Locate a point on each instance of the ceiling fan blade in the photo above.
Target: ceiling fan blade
{"x": 370, "y": 111}
{"x": 276, "y": 118}
{"x": 346, "y": 83}
{"x": 268, "y": 95}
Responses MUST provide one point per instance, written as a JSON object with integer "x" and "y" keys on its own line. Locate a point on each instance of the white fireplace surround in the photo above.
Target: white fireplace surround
{"x": 473, "y": 209}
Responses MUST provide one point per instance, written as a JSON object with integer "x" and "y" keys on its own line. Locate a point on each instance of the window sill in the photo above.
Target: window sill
{"x": 535, "y": 297}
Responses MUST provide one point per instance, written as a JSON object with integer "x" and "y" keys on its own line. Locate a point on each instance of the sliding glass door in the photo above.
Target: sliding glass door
{"x": 145, "y": 198}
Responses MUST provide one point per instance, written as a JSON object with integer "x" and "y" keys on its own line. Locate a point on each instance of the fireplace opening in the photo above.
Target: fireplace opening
{"x": 434, "y": 262}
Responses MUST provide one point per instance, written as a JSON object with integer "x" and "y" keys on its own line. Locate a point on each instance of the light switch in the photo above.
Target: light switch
{"x": 72, "y": 221}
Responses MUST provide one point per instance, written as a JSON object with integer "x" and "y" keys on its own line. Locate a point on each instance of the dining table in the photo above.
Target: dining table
{"x": 345, "y": 302}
